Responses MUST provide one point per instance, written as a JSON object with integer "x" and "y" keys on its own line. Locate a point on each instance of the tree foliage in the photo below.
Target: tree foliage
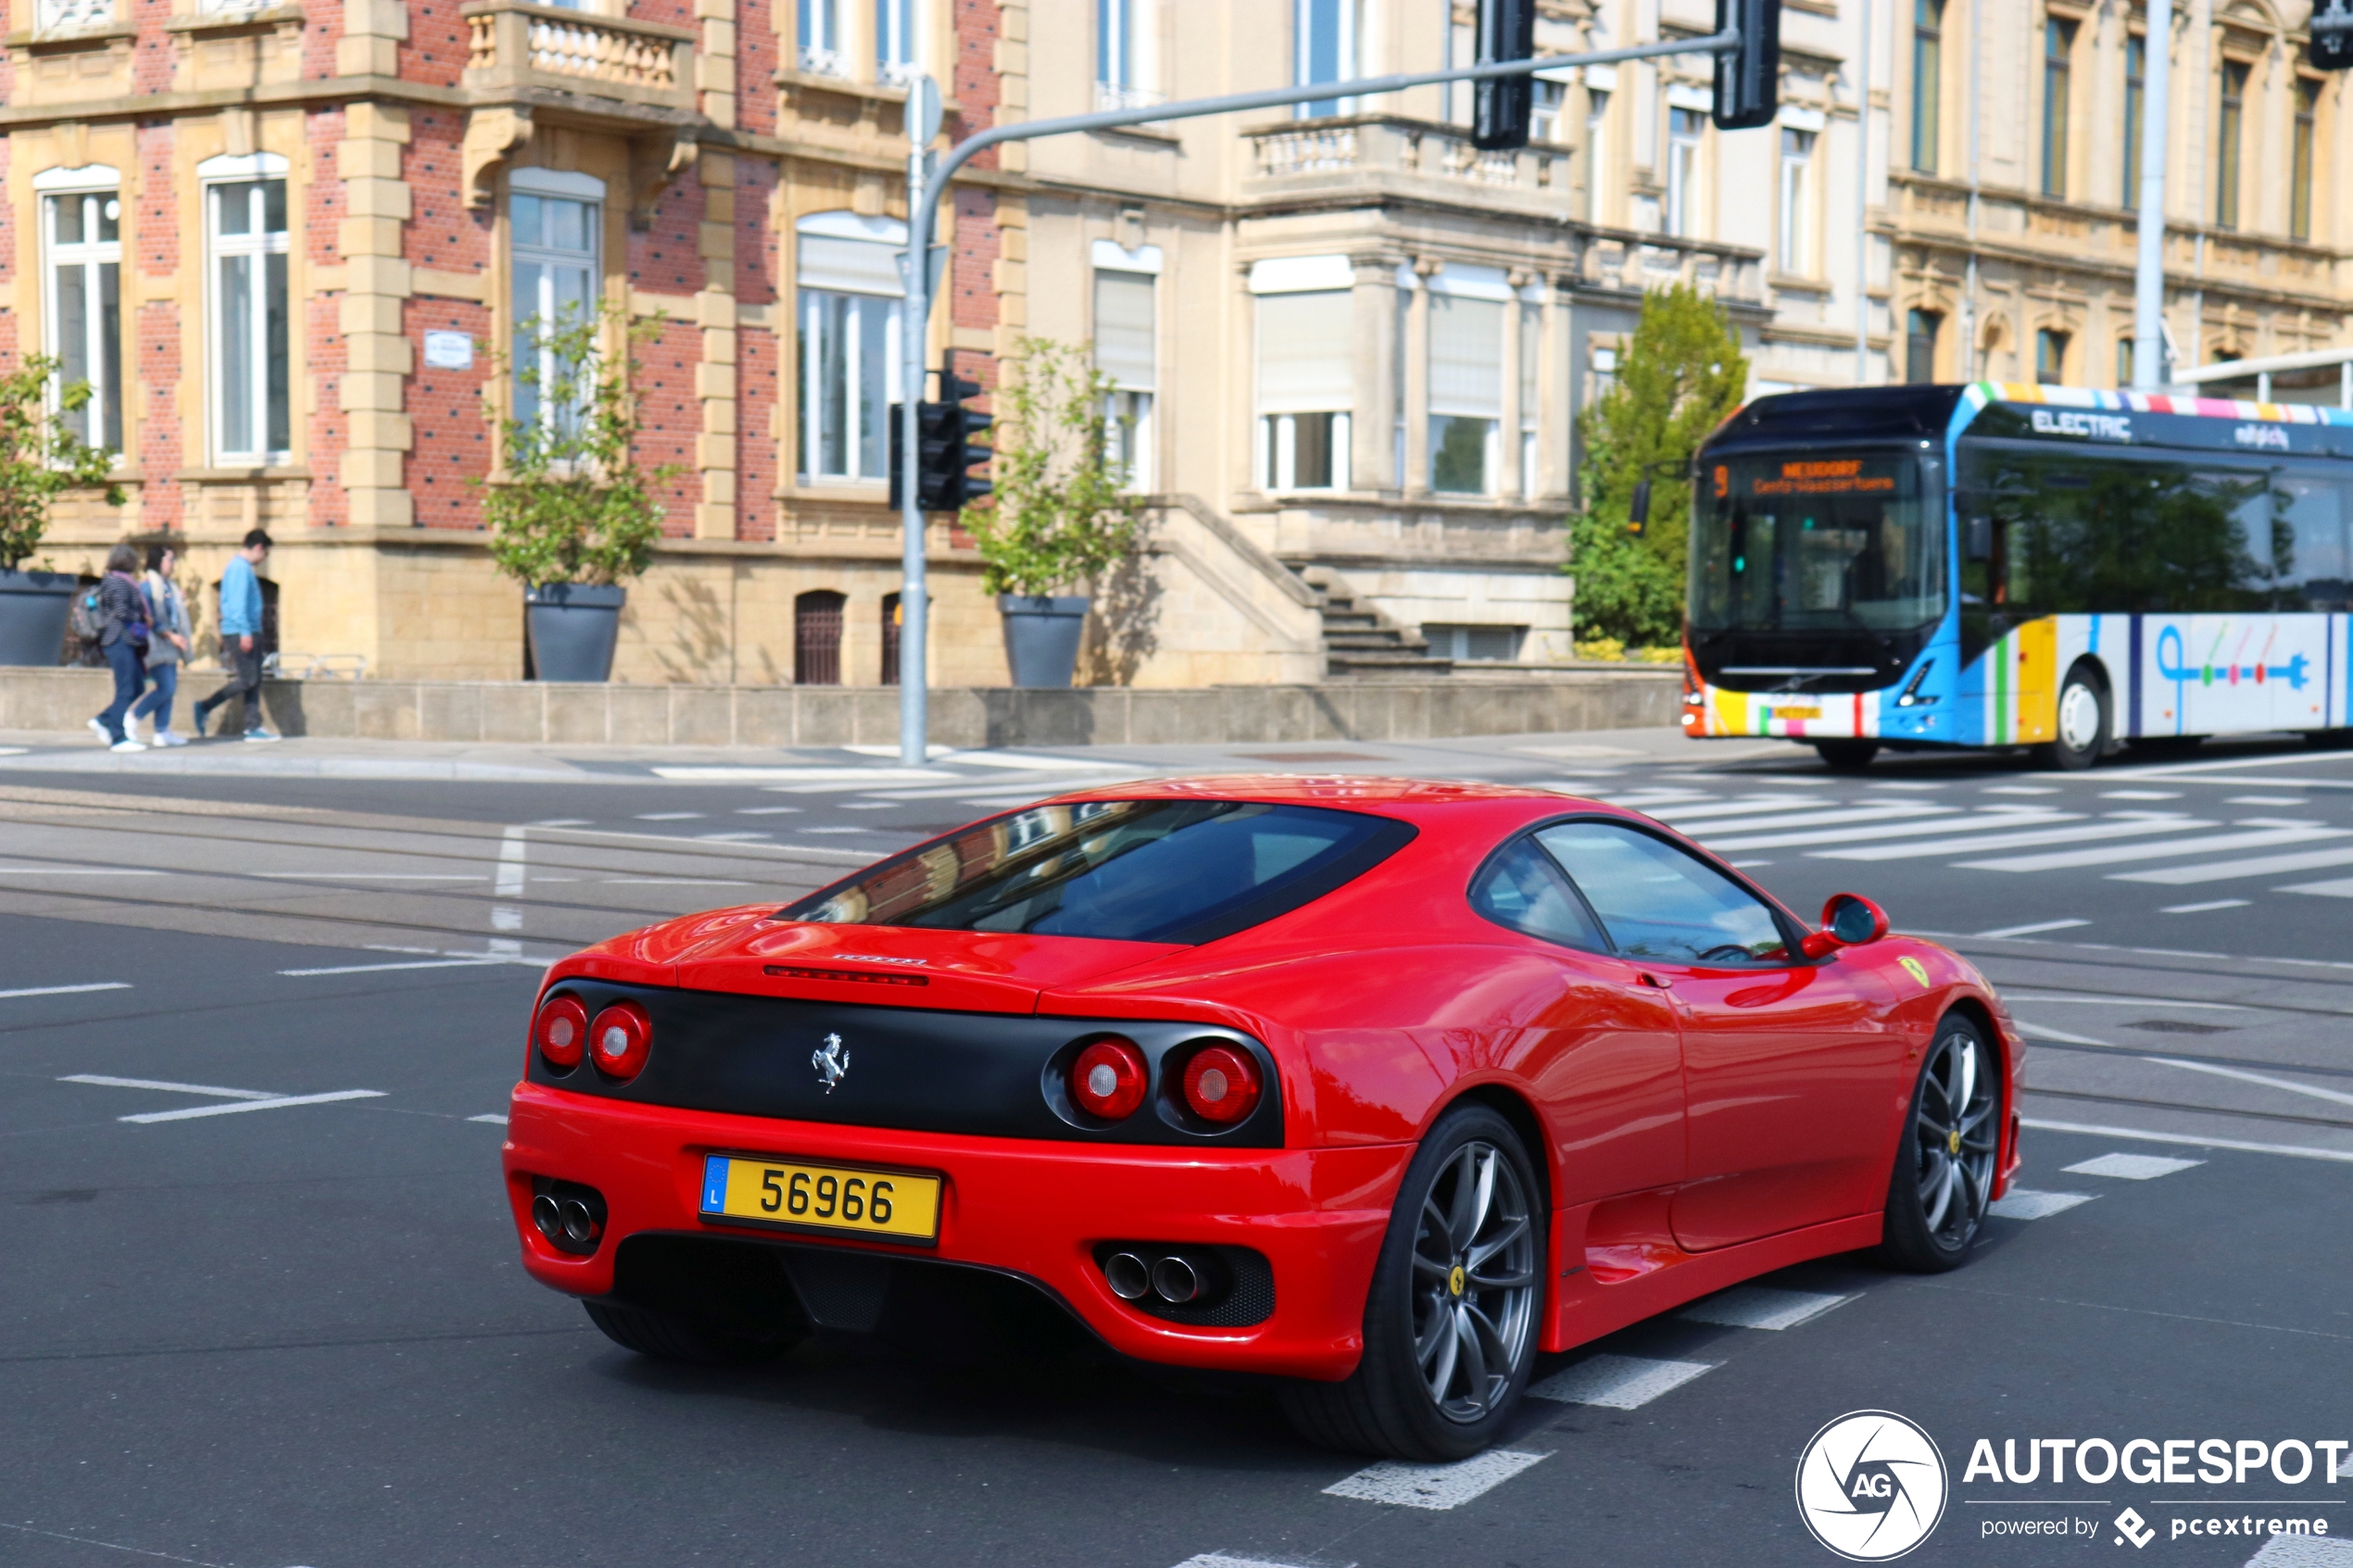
{"x": 572, "y": 506}
{"x": 40, "y": 456}
{"x": 1681, "y": 376}
{"x": 1058, "y": 517}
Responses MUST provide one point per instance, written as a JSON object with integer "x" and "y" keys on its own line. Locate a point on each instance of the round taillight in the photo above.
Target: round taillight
{"x": 1108, "y": 1079}
{"x": 1221, "y": 1083}
{"x": 562, "y": 1032}
{"x": 620, "y": 1040}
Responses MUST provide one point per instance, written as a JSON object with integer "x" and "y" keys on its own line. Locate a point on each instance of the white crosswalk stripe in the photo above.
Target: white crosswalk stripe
{"x": 1755, "y": 803}
{"x": 2136, "y": 828}
{"x": 2224, "y": 871}
{"x": 1433, "y": 1485}
{"x": 1908, "y": 829}
{"x": 2023, "y": 1204}
{"x": 1819, "y": 819}
{"x": 1618, "y": 1382}
{"x": 2070, "y": 860}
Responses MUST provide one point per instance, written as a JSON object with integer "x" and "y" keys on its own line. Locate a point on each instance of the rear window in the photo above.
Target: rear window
{"x": 1130, "y": 870}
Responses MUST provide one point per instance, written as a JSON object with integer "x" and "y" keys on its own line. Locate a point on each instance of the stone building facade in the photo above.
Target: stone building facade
{"x": 291, "y": 246}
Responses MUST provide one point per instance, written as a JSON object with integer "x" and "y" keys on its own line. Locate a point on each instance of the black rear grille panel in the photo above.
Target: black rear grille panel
{"x": 915, "y": 1069}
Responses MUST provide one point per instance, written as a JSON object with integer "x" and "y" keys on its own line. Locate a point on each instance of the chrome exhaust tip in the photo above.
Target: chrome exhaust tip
{"x": 1175, "y": 1281}
{"x": 579, "y": 1225}
{"x": 1128, "y": 1276}
{"x": 549, "y": 1217}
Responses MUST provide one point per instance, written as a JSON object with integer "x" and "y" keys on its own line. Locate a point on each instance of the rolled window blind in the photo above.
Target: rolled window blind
{"x": 1305, "y": 353}
{"x": 1124, "y": 324}
{"x": 847, "y": 266}
{"x": 1466, "y": 357}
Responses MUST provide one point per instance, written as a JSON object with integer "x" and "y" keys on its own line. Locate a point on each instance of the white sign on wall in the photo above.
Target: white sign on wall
{"x": 449, "y": 351}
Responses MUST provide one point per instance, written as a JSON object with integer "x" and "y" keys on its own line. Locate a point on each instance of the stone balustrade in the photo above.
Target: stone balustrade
{"x": 514, "y": 45}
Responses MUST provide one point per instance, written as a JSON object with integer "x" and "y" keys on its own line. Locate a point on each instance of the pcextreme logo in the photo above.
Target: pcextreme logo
{"x": 1871, "y": 1485}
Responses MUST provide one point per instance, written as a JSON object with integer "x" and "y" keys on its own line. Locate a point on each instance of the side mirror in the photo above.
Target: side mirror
{"x": 1849, "y": 920}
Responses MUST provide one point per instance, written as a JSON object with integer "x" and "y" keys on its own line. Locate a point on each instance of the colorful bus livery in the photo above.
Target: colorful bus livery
{"x": 2004, "y": 565}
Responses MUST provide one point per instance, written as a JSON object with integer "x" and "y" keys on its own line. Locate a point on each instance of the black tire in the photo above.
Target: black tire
{"x": 2084, "y": 722}
{"x": 668, "y": 1337}
{"x": 2165, "y": 746}
{"x": 2328, "y": 740}
{"x": 1846, "y": 756}
{"x": 1943, "y": 1175}
{"x": 1469, "y": 1316}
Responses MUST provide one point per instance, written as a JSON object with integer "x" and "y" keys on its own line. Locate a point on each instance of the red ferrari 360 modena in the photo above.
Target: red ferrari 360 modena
{"x": 1377, "y": 1086}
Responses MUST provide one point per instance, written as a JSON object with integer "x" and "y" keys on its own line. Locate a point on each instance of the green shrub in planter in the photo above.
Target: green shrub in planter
{"x": 41, "y": 458}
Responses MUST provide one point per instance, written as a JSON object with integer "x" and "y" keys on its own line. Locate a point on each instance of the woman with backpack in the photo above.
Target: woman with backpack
{"x": 167, "y": 646}
{"x": 123, "y": 628}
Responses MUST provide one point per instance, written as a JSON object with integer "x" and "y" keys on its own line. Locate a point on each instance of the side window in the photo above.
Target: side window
{"x": 1658, "y": 902}
{"x": 1523, "y": 889}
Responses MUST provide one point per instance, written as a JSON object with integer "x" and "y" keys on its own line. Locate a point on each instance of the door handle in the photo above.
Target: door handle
{"x": 1658, "y": 981}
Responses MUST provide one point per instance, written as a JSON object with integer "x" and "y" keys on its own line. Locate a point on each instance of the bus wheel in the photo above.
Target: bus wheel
{"x": 1846, "y": 756}
{"x": 2082, "y": 722}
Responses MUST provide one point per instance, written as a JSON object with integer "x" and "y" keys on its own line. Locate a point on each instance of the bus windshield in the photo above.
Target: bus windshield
{"x": 1785, "y": 542}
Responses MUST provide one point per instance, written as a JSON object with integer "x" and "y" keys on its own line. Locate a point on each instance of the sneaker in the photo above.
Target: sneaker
{"x": 166, "y": 737}
{"x": 256, "y": 735}
{"x": 100, "y": 731}
{"x": 127, "y": 745}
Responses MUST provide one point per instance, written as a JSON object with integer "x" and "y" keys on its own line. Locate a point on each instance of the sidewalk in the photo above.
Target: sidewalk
{"x": 24, "y": 752}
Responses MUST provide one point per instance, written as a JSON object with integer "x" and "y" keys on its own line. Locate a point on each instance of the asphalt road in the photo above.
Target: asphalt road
{"x": 298, "y": 1335}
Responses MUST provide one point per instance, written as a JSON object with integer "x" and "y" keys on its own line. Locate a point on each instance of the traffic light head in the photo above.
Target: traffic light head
{"x": 1748, "y": 86}
{"x": 1501, "y": 108}
{"x": 2332, "y": 35}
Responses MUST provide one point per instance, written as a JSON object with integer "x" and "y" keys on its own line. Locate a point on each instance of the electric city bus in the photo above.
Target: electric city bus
{"x": 1998, "y": 565}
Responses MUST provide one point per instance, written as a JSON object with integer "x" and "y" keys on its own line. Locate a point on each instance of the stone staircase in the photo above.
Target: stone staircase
{"x": 1360, "y": 642}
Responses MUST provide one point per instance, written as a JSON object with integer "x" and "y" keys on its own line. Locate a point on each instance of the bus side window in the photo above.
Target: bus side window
{"x": 2310, "y": 550}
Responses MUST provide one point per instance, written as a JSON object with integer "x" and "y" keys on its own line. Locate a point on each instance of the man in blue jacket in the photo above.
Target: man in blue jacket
{"x": 240, "y": 638}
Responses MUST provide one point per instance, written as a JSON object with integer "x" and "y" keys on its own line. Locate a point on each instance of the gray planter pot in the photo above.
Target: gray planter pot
{"x": 33, "y": 605}
{"x": 1041, "y": 638}
{"x": 573, "y": 627}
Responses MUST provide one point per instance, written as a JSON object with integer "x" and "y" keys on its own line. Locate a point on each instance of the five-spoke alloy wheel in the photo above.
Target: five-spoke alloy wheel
{"x": 1450, "y": 1324}
{"x": 1944, "y": 1168}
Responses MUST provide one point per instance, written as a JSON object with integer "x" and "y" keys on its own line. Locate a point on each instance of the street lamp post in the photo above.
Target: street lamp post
{"x": 2149, "y": 281}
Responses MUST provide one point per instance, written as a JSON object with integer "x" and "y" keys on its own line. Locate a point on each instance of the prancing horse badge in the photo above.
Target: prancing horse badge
{"x": 831, "y": 1061}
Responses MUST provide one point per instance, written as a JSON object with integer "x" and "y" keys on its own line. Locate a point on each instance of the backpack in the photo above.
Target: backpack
{"x": 88, "y": 624}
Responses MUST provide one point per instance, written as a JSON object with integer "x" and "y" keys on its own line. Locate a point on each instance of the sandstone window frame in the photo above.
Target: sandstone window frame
{"x": 248, "y": 369}
{"x": 75, "y": 326}
{"x": 848, "y": 310}
{"x": 548, "y": 261}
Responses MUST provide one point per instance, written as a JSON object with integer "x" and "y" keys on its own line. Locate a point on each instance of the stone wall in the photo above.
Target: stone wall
{"x": 522, "y": 712}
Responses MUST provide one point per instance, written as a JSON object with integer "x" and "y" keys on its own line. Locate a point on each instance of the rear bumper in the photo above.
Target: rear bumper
{"x": 1035, "y": 1210}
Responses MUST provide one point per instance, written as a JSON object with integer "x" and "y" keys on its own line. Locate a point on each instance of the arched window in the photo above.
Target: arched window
{"x": 816, "y": 638}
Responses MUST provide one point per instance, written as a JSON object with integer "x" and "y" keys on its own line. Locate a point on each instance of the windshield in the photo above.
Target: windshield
{"x": 1784, "y": 543}
{"x": 1135, "y": 871}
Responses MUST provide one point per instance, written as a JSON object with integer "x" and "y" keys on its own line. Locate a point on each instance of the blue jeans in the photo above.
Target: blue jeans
{"x": 158, "y": 702}
{"x": 130, "y": 674}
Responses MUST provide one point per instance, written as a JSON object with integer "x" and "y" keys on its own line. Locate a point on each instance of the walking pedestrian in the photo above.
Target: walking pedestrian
{"x": 167, "y": 643}
{"x": 122, "y": 637}
{"x": 241, "y": 637}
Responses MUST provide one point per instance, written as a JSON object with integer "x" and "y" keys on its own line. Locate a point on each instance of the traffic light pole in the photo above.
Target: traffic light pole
{"x": 914, "y": 716}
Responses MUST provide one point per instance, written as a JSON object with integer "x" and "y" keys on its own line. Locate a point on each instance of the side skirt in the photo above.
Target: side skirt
{"x": 1585, "y": 1308}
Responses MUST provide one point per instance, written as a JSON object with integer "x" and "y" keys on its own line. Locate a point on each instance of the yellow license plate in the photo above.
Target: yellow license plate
{"x": 890, "y": 1205}
{"x": 1797, "y": 713}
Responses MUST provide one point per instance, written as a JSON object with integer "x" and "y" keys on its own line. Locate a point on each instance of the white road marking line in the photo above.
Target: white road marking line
{"x": 235, "y": 1105}
{"x": 1618, "y": 1382}
{"x": 673, "y": 841}
{"x": 512, "y": 876}
{"x": 2303, "y": 1551}
{"x": 1433, "y": 1485}
{"x": 670, "y": 816}
{"x": 2020, "y": 789}
{"x": 66, "y": 990}
{"x": 2294, "y": 1151}
{"x": 1639, "y": 799}
{"x": 1027, "y": 762}
{"x": 2289, "y": 1085}
{"x": 561, "y": 823}
{"x": 2042, "y": 1032}
{"x": 107, "y": 1082}
{"x": 386, "y": 968}
{"x": 2340, "y": 888}
{"x": 76, "y": 871}
{"x": 2140, "y": 795}
{"x": 1219, "y": 1559}
{"x": 2224, "y": 871}
{"x": 730, "y": 837}
{"x": 1747, "y": 865}
{"x": 1758, "y": 802}
{"x": 2136, "y": 1002}
{"x": 1916, "y": 787}
{"x": 1019, "y": 792}
{"x": 491, "y": 1117}
{"x": 2022, "y": 1204}
{"x": 767, "y": 810}
{"x": 372, "y": 876}
{"x": 2201, "y": 908}
{"x": 2015, "y": 840}
{"x": 2265, "y": 801}
{"x": 2168, "y": 769}
{"x": 840, "y": 829}
{"x": 1775, "y": 822}
{"x": 2212, "y": 843}
{"x": 1909, "y": 827}
{"x": 670, "y": 881}
{"x": 2029, "y": 930}
{"x": 2129, "y": 1167}
{"x": 1757, "y": 1306}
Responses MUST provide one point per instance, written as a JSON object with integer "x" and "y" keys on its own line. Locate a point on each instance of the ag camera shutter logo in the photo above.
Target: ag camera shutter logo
{"x": 1871, "y": 1485}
